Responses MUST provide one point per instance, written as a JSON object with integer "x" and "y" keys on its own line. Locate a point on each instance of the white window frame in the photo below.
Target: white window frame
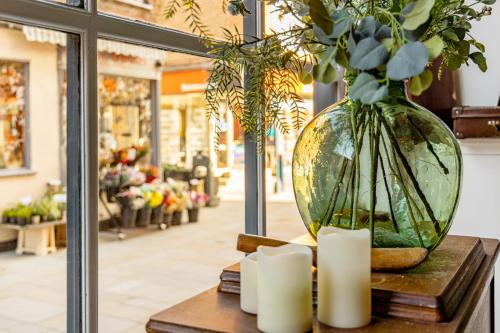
{"x": 84, "y": 26}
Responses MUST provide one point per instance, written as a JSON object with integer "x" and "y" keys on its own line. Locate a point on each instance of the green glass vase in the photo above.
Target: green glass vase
{"x": 392, "y": 167}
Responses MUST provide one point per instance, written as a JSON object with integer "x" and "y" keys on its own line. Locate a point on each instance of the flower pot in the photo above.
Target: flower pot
{"x": 35, "y": 219}
{"x": 167, "y": 218}
{"x": 129, "y": 216}
{"x": 177, "y": 218}
{"x": 157, "y": 215}
{"x": 144, "y": 217}
{"x": 193, "y": 214}
{"x": 21, "y": 221}
{"x": 398, "y": 175}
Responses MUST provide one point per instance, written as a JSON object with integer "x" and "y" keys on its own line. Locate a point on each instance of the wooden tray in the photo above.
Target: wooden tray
{"x": 429, "y": 292}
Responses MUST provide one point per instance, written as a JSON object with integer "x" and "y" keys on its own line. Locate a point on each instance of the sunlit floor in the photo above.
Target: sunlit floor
{"x": 137, "y": 277}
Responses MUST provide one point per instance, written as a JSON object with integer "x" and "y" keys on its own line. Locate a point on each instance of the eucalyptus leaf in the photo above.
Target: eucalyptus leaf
{"x": 460, "y": 32}
{"x": 324, "y": 73}
{"x": 367, "y": 27}
{"x": 450, "y": 35}
{"x": 478, "y": 45}
{"x": 342, "y": 23}
{"x": 321, "y": 35}
{"x": 463, "y": 48}
{"x": 351, "y": 43}
{"x": 305, "y": 77}
{"x": 479, "y": 60}
{"x": 421, "y": 83}
{"x": 319, "y": 15}
{"x": 488, "y": 2}
{"x": 388, "y": 43}
{"x": 410, "y": 60}
{"x": 417, "y": 13}
{"x": 383, "y": 32}
{"x": 368, "y": 54}
{"x": 434, "y": 46}
{"x": 367, "y": 89}
{"x": 453, "y": 62}
{"x": 341, "y": 58}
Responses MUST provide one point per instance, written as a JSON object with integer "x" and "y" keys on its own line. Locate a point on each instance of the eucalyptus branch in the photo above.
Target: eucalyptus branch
{"x": 429, "y": 146}
{"x": 407, "y": 194}
{"x": 410, "y": 174}
{"x": 374, "y": 153}
{"x": 389, "y": 198}
{"x": 355, "y": 194}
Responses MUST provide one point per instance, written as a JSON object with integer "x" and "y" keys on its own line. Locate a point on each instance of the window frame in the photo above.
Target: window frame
{"x": 84, "y": 26}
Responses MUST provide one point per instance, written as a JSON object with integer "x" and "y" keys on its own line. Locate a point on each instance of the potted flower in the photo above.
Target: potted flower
{"x": 179, "y": 201}
{"x": 36, "y": 216}
{"x": 156, "y": 204}
{"x": 150, "y": 201}
{"x": 174, "y": 208}
{"x": 167, "y": 212}
{"x": 8, "y": 216}
{"x": 129, "y": 203}
{"x": 196, "y": 201}
{"x": 23, "y": 215}
{"x": 151, "y": 172}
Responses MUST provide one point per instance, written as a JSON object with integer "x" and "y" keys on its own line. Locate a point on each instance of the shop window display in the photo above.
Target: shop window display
{"x": 12, "y": 115}
{"x": 125, "y": 113}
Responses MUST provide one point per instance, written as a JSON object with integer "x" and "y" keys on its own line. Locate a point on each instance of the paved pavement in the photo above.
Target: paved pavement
{"x": 137, "y": 277}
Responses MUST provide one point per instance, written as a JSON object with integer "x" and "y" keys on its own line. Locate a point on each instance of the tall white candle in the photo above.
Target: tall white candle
{"x": 344, "y": 277}
{"x": 248, "y": 283}
{"x": 284, "y": 295}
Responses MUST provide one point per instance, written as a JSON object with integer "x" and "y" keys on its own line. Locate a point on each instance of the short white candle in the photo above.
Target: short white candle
{"x": 344, "y": 277}
{"x": 284, "y": 295}
{"x": 248, "y": 283}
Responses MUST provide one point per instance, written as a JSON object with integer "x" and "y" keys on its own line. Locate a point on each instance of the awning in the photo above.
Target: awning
{"x": 41, "y": 35}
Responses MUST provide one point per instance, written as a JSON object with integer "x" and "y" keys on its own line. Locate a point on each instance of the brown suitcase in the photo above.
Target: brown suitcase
{"x": 476, "y": 122}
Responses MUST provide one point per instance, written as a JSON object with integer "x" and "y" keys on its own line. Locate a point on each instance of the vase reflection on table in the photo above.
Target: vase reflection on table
{"x": 398, "y": 176}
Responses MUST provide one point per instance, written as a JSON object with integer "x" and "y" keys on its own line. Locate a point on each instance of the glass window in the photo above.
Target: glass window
{"x": 13, "y": 108}
{"x": 211, "y": 15}
{"x": 153, "y": 117}
{"x": 125, "y": 112}
{"x": 32, "y": 260}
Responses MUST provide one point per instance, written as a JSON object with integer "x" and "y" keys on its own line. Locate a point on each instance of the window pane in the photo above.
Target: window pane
{"x": 32, "y": 179}
{"x": 283, "y": 218}
{"x": 211, "y": 14}
{"x": 159, "y": 169}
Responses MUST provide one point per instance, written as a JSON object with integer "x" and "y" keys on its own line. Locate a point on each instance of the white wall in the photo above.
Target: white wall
{"x": 475, "y": 87}
{"x": 43, "y": 111}
{"x": 478, "y": 212}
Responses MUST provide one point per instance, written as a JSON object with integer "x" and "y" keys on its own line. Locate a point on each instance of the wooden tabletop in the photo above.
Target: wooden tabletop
{"x": 212, "y": 311}
{"x": 32, "y": 226}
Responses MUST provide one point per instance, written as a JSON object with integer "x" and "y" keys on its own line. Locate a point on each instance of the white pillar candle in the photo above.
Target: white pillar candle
{"x": 248, "y": 283}
{"x": 284, "y": 292}
{"x": 344, "y": 277}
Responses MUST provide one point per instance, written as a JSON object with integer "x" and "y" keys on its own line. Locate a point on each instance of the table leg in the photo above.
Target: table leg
{"x": 20, "y": 242}
{"x": 52, "y": 239}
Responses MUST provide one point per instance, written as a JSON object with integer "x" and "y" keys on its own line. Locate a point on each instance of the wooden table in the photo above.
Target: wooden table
{"x": 39, "y": 239}
{"x": 213, "y": 311}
